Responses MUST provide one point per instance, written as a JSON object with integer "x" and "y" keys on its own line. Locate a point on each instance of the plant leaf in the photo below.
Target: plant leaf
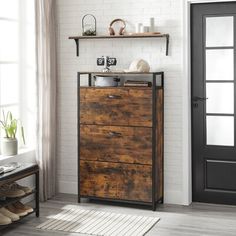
{"x": 23, "y": 134}
{"x": 10, "y": 115}
{"x": 10, "y": 126}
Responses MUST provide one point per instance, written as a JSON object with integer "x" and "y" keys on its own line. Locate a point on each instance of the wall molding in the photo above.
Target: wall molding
{"x": 186, "y": 112}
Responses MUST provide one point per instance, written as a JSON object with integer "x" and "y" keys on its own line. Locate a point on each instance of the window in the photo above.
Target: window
{"x": 17, "y": 63}
{"x": 220, "y": 80}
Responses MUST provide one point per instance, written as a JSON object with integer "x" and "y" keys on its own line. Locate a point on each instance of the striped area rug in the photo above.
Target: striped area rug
{"x": 93, "y": 222}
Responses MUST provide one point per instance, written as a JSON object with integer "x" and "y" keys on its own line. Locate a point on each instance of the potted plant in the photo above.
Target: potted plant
{"x": 9, "y": 144}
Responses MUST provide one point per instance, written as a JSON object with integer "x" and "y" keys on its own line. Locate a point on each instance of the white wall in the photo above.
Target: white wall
{"x": 168, "y": 17}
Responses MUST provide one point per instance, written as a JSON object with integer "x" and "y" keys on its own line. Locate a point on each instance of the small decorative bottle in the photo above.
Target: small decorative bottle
{"x": 152, "y": 24}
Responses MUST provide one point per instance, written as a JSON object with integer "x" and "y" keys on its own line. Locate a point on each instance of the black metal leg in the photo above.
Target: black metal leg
{"x": 78, "y": 130}
{"x": 163, "y": 132}
{"x": 154, "y": 206}
{"x": 90, "y": 80}
{"x": 154, "y": 126}
{"x": 162, "y": 200}
{"x": 37, "y": 193}
{"x": 162, "y": 80}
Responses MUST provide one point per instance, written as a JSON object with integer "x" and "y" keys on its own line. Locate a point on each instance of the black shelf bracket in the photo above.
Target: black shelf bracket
{"x": 77, "y": 47}
{"x": 167, "y": 44}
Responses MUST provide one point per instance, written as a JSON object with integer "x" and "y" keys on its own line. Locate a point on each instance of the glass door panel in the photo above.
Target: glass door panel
{"x": 219, "y": 80}
{"x": 220, "y": 64}
{"x": 220, "y": 98}
{"x": 219, "y": 31}
{"x": 220, "y": 130}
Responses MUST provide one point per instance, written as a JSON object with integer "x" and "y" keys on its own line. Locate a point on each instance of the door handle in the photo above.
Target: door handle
{"x": 195, "y": 99}
{"x": 113, "y": 134}
{"x": 114, "y": 96}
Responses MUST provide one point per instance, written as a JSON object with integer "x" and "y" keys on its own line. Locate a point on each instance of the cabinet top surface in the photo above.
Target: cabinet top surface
{"x": 22, "y": 169}
{"x": 120, "y": 73}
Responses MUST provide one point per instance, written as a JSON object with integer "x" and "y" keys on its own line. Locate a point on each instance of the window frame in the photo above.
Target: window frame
{"x": 24, "y": 24}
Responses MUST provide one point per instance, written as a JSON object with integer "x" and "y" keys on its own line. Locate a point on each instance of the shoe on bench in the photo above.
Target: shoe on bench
{"x": 16, "y": 211}
{"x": 4, "y": 220}
{"x": 9, "y": 214}
{"x": 21, "y": 206}
{"x": 15, "y": 185}
{"x": 11, "y": 192}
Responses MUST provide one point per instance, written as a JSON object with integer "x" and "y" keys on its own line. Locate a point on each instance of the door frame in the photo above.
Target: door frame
{"x": 186, "y": 99}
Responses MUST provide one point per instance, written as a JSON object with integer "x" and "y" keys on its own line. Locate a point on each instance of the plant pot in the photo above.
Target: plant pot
{"x": 9, "y": 146}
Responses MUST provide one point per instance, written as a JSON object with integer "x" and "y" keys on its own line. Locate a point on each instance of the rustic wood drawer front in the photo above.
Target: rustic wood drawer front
{"x": 115, "y": 180}
{"x": 116, "y": 144}
{"x": 116, "y": 106}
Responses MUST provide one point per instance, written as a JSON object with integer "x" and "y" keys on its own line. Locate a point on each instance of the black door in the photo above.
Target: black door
{"x": 213, "y": 34}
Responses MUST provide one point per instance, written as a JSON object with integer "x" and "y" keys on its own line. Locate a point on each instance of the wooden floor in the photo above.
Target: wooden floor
{"x": 197, "y": 219}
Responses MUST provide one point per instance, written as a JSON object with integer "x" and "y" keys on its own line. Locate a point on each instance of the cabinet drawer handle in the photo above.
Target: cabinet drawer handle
{"x": 113, "y": 134}
{"x": 114, "y": 96}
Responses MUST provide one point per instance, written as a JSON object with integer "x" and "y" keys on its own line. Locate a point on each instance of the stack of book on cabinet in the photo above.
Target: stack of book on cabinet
{"x": 135, "y": 83}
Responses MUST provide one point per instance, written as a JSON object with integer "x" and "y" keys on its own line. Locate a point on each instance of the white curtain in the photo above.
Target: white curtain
{"x": 46, "y": 88}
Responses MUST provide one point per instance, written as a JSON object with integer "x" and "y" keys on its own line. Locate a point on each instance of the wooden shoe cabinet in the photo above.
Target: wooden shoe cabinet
{"x": 22, "y": 172}
{"x": 120, "y": 142}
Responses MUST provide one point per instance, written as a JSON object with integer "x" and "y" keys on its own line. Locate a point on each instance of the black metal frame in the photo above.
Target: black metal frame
{"x": 154, "y": 139}
{"x": 78, "y": 130}
{"x": 24, "y": 171}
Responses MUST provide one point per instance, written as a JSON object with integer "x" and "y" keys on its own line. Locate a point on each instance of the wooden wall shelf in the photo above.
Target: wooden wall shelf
{"x": 77, "y": 38}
